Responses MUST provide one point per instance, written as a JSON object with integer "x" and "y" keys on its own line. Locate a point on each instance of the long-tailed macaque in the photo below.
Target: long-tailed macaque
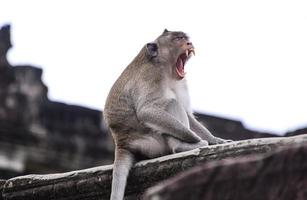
{"x": 148, "y": 109}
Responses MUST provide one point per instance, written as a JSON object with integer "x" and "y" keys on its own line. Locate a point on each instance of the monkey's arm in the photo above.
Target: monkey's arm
{"x": 203, "y": 132}
{"x": 160, "y": 120}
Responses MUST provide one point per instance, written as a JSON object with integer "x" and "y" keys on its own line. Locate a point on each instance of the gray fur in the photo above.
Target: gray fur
{"x": 148, "y": 109}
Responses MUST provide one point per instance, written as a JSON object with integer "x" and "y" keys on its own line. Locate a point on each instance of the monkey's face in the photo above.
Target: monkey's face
{"x": 174, "y": 49}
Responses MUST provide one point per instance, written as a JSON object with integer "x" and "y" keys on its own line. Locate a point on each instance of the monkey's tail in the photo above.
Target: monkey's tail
{"x": 123, "y": 162}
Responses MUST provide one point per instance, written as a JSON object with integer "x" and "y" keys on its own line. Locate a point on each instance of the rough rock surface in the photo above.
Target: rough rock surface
{"x": 95, "y": 183}
{"x": 280, "y": 175}
{"x": 2, "y": 182}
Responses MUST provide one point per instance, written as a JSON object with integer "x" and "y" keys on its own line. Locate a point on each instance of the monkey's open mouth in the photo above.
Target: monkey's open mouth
{"x": 182, "y": 59}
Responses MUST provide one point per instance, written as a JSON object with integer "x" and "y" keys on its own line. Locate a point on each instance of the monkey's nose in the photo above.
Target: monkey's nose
{"x": 189, "y": 44}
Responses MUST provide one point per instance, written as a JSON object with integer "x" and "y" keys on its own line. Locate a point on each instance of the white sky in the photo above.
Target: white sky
{"x": 250, "y": 63}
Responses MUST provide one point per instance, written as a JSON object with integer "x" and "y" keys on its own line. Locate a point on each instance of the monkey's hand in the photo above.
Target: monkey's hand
{"x": 217, "y": 140}
{"x": 203, "y": 143}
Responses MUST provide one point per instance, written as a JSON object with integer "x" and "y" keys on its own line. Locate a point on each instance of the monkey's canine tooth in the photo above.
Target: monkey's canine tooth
{"x": 187, "y": 53}
{"x": 192, "y": 51}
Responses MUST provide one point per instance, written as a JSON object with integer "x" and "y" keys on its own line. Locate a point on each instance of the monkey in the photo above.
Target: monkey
{"x": 148, "y": 109}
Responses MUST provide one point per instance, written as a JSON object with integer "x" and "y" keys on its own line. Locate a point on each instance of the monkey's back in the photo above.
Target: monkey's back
{"x": 135, "y": 86}
{"x": 119, "y": 106}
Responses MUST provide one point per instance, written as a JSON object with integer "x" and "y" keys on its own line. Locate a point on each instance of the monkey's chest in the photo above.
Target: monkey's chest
{"x": 180, "y": 95}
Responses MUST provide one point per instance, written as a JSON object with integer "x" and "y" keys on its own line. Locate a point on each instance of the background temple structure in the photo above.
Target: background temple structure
{"x": 40, "y": 136}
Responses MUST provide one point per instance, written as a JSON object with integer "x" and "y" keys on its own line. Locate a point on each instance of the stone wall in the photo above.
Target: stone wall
{"x": 278, "y": 175}
{"x": 39, "y": 135}
{"x": 268, "y": 168}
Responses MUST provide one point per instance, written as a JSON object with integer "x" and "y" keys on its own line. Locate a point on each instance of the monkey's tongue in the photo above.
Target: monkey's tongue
{"x": 180, "y": 68}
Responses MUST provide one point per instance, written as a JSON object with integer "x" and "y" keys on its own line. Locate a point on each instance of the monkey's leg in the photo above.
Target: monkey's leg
{"x": 177, "y": 146}
{"x": 203, "y": 132}
{"x": 151, "y": 145}
{"x": 122, "y": 165}
{"x": 160, "y": 120}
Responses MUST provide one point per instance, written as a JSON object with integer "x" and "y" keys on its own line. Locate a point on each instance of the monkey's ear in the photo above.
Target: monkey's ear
{"x": 165, "y": 31}
{"x": 152, "y": 49}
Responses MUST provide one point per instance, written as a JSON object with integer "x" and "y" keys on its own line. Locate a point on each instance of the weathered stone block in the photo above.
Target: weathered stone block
{"x": 95, "y": 183}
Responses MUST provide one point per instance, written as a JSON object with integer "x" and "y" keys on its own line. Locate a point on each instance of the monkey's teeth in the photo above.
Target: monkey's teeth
{"x": 187, "y": 53}
{"x": 192, "y": 51}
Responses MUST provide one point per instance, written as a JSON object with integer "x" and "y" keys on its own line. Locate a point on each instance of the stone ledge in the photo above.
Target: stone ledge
{"x": 280, "y": 175}
{"x": 94, "y": 183}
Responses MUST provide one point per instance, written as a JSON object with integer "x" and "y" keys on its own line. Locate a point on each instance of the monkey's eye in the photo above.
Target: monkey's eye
{"x": 179, "y": 38}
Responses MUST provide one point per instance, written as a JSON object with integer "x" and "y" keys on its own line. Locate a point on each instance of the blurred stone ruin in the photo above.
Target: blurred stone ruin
{"x": 42, "y": 136}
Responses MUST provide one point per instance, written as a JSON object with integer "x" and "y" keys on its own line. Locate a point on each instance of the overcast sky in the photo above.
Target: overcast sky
{"x": 250, "y": 63}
